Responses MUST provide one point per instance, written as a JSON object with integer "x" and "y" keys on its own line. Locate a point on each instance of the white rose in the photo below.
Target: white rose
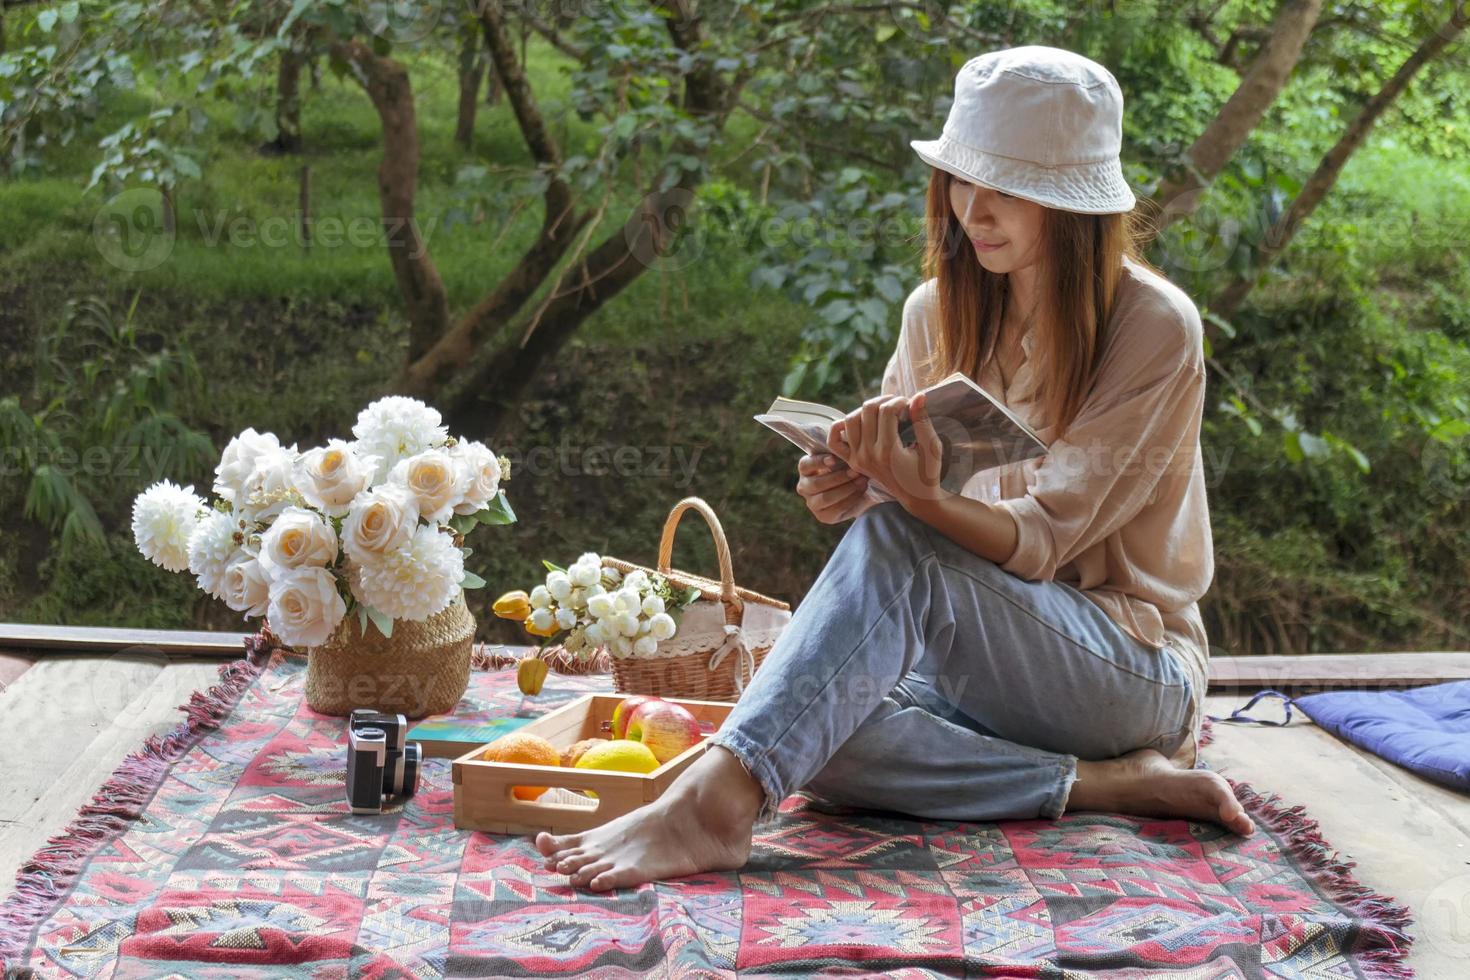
{"x": 481, "y": 471}
{"x": 637, "y": 580}
{"x": 645, "y": 646}
{"x": 237, "y": 462}
{"x": 627, "y": 624}
{"x": 559, "y": 585}
{"x": 662, "y": 626}
{"x": 652, "y": 605}
{"x": 435, "y": 482}
{"x": 271, "y": 486}
{"x": 296, "y": 538}
{"x": 330, "y": 477}
{"x": 380, "y": 520}
{"x": 627, "y": 601}
{"x": 305, "y": 606}
{"x": 245, "y": 587}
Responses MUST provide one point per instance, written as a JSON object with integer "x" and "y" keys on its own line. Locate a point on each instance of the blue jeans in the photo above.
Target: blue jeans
{"x": 917, "y": 676}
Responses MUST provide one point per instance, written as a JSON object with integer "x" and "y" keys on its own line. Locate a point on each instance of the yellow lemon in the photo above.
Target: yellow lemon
{"x": 618, "y": 755}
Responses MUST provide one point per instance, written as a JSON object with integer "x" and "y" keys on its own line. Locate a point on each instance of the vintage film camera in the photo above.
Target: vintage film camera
{"x": 379, "y": 762}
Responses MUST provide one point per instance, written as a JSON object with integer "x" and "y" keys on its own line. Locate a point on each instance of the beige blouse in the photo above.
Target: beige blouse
{"x": 1117, "y": 508}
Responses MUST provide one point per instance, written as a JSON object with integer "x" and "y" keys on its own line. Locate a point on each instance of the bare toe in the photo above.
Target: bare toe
{"x": 576, "y": 860}
{"x": 614, "y": 878}
{"x": 549, "y": 844}
{"x": 587, "y": 872}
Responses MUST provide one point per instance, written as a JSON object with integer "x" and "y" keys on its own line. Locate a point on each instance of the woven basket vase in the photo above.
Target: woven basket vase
{"x": 723, "y": 635}
{"x": 422, "y": 669}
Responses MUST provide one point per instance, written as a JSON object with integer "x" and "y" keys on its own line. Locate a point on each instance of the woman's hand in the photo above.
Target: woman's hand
{"x": 833, "y": 493}
{"x": 867, "y": 440}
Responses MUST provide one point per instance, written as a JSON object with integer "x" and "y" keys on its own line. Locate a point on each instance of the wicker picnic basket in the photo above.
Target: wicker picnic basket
{"x": 723, "y": 635}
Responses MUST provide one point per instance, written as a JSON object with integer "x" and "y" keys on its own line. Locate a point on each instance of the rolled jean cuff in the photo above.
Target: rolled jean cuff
{"x": 1056, "y": 803}
{"x": 757, "y": 766}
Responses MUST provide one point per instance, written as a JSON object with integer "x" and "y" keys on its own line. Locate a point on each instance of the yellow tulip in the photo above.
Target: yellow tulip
{"x": 531, "y": 674}
{"x": 551, "y": 630}
{"x": 513, "y": 605}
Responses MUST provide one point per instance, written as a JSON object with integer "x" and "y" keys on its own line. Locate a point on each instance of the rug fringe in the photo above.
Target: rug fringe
{"x": 1382, "y": 942}
{"x": 43, "y": 881}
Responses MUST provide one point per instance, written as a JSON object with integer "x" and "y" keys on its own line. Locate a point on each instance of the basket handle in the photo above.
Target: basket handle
{"x": 733, "y": 603}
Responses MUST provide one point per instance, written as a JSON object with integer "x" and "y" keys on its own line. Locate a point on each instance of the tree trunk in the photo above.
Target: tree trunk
{"x": 492, "y": 88}
{"x": 387, "y": 85}
{"x": 481, "y": 399}
{"x": 1281, "y": 232}
{"x": 288, "y": 103}
{"x": 471, "y": 67}
{"x": 483, "y": 395}
{"x": 1263, "y": 82}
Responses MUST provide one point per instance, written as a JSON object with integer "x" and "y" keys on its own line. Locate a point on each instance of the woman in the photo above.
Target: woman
{"x": 1032, "y": 645}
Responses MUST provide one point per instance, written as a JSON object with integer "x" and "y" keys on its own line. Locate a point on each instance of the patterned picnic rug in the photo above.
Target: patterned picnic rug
{"x": 227, "y": 850}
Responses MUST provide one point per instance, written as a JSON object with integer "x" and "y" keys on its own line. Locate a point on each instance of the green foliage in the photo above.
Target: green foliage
{"x": 104, "y": 406}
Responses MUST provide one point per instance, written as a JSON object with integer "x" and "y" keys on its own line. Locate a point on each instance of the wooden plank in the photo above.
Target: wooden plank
{"x": 1340, "y": 670}
{"x": 78, "y": 718}
{"x": 1393, "y": 825}
{"x": 171, "y": 643}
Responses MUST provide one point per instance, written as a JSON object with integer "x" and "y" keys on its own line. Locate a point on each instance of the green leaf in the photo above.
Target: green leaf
{"x": 1449, "y": 430}
{"x": 382, "y": 621}
{"x": 471, "y": 581}
{"x": 498, "y": 511}
{"x": 362, "y": 619}
{"x": 464, "y": 523}
{"x": 1291, "y": 445}
{"x": 884, "y": 32}
{"x": 550, "y": 567}
{"x": 46, "y": 20}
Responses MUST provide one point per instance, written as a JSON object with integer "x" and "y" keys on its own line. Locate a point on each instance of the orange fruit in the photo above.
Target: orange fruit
{"x": 526, "y": 749}
{"x": 570, "y": 756}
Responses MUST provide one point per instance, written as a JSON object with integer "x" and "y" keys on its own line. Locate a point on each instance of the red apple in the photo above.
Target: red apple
{"x": 666, "y": 728}
{"x": 625, "y": 710}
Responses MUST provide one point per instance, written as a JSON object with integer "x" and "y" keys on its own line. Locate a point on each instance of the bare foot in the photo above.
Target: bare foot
{"x": 702, "y": 823}
{"x": 1146, "y": 784}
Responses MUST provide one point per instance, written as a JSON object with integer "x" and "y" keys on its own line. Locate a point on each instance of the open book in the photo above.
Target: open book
{"x": 977, "y": 431}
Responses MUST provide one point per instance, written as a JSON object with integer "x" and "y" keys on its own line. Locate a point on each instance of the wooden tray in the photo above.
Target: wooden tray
{"x": 482, "y": 790}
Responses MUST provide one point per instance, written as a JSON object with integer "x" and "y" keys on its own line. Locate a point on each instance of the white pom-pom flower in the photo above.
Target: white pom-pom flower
{"x": 211, "y": 547}
{"x": 540, "y": 597}
{"x": 601, "y": 606}
{"x": 559, "y": 585}
{"x": 566, "y": 618}
{"x": 395, "y": 428}
{"x": 305, "y": 606}
{"x": 542, "y": 619}
{"x": 662, "y": 626}
{"x": 415, "y": 581}
{"x": 652, "y": 605}
{"x": 164, "y": 518}
{"x": 645, "y": 646}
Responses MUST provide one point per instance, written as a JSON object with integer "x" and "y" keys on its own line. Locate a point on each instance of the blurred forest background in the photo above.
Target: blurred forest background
{"x": 581, "y": 226}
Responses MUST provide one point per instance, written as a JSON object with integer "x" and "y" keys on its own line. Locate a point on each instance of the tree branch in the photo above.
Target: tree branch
{"x": 387, "y": 85}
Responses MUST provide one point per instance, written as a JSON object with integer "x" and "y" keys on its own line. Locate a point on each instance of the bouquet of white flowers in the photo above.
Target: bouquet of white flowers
{"x": 375, "y": 525}
{"x": 595, "y": 606}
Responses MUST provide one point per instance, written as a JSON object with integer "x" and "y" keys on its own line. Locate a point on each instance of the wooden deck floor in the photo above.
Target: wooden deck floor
{"x": 68, "y": 721}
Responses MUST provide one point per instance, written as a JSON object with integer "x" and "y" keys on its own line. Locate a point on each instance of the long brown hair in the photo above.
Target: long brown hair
{"x": 1081, "y": 262}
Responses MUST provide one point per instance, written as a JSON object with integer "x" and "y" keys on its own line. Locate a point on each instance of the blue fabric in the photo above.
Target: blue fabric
{"x": 1425, "y": 730}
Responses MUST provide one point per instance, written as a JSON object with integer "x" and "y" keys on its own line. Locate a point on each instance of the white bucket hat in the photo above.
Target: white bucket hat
{"x": 1039, "y": 123}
